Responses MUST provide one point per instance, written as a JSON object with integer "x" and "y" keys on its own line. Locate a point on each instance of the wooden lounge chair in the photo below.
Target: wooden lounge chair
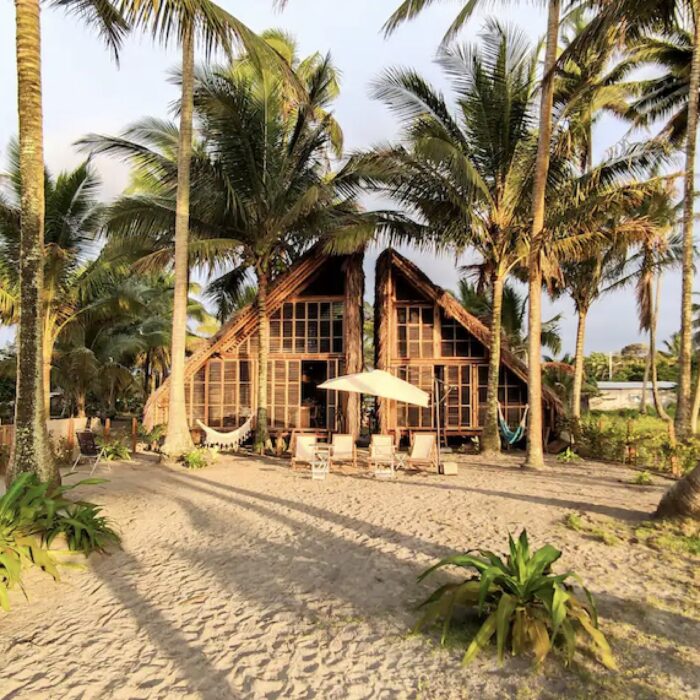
{"x": 87, "y": 448}
{"x": 382, "y": 455}
{"x": 423, "y": 451}
{"x": 304, "y": 450}
{"x": 343, "y": 450}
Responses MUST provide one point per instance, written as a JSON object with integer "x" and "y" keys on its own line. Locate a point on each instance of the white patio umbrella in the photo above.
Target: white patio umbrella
{"x": 379, "y": 383}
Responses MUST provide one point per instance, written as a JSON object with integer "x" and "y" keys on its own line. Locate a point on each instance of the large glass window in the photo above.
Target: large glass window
{"x": 457, "y": 341}
{"x": 414, "y": 331}
{"x": 314, "y": 327}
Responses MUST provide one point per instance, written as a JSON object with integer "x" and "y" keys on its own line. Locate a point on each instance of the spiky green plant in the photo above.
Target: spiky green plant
{"x": 519, "y": 600}
{"x": 114, "y": 451}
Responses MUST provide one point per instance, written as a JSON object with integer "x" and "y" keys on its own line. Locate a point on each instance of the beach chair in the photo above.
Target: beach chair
{"x": 382, "y": 455}
{"x": 88, "y": 449}
{"x": 304, "y": 450}
{"x": 423, "y": 451}
{"x": 343, "y": 450}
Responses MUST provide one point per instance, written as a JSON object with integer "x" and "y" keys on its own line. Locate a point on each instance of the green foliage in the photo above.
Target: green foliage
{"x": 32, "y": 514}
{"x": 85, "y": 528}
{"x": 115, "y": 451}
{"x": 642, "y": 479}
{"x": 567, "y": 456}
{"x": 641, "y": 440}
{"x": 199, "y": 458}
{"x": 519, "y": 600}
{"x": 152, "y": 437}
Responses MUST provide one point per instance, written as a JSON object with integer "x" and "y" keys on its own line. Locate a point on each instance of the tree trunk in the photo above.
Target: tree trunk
{"x": 696, "y": 405}
{"x": 578, "y": 367}
{"x": 382, "y": 332}
{"x": 645, "y": 385}
{"x": 178, "y": 439}
{"x": 47, "y": 356}
{"x": 31, "y": 450}
{"x": 534, "y": 458}
{"x": 354, "y": 322}
{"x": 490, "y": 438}
{"x": 685, "y": 358}
{"x": 262, "y": 435}
{"x": 654, "y": 315}
{"x": 80, "y": 404}
{"x": 682, "y": 500}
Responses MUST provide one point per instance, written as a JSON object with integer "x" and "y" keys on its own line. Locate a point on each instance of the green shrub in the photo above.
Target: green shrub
{"x": 115, "y": 451}
{"x": 154, "y": 437}
{"x": 198, "y": 458}
{"x": 567, "y": 456}
{"x": 85, "y": 528}
{"x": 642, "y": 479}
{"x": 20, "y": 546}
{"x": 520, "y": 602}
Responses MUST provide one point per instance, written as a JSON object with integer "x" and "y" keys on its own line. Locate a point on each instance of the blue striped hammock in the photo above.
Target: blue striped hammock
{"x": 512, "y": 436}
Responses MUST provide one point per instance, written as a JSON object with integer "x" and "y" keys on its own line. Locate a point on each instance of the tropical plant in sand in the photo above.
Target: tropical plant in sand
{"x": 519, "y": 600}
{"x": 261, "y": 190}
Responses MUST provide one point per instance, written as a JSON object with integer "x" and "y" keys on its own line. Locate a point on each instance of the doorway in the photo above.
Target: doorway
{"x": 314, "y": 401}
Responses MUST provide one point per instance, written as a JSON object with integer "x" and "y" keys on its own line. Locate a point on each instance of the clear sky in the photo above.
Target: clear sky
{"x": 85, "y": 91}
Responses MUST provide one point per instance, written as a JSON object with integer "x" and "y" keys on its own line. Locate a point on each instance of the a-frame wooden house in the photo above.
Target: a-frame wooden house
{"x": 315, "y": 334}
{"x": 422, "y": 333}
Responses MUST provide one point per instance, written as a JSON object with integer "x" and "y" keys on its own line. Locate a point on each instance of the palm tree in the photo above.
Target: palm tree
{"x": 217, "y": 28}
{"x": 31, "y": 451}
{"x": 514, "y": 317}
{"x": 261, "y": 191}
{"x": 642, "y": 18}
{"x": 469, "y": 177}
{"x": 72, "y": 222}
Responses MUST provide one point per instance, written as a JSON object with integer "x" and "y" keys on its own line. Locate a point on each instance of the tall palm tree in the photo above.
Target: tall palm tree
{"x": 72, "y": 222}
{"x": 261, "y": 191}
{"x": 640, "y": 18}
{"x": 469, "y": 177}
{"x": 216, "y": 28}
{"x": 410, "y": 9}
{"x": 31, "y": 451}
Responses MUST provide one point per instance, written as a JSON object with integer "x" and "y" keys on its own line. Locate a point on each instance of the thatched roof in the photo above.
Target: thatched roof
{"x": 447, "y": 302}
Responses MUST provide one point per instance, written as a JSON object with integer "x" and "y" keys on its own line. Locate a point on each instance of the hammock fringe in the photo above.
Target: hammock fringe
{"x": 227, "y": 441}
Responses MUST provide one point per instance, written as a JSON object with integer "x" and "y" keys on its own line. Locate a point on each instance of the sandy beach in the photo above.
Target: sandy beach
{"x": 245, "y": 580}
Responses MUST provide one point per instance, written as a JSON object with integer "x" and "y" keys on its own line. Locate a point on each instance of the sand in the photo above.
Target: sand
{"x": 245, "y": 580}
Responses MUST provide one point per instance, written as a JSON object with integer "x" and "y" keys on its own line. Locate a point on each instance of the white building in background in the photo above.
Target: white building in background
{"x": 616, "y": 395}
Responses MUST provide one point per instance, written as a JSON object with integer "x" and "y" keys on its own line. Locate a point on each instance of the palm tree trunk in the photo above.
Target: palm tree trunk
{"x": 354, "y": 322}
{"x": 645, "y": 385}
{"x": 534, "y": 458}
{"x": 178, "y": 439}
{"x": 47, "y": 356}
{"x": 654, "y": 315}
{"x": 80, "y": 404}
{"x": 696, "y": 405}
{"x": 682, "y": 499}
{"x": 490, "y": 438}
{"x": 31, "y": 450}
{"x": 262, "y": 435}
{"x": 578, "y": 367}
{"x": 685, "y": 357}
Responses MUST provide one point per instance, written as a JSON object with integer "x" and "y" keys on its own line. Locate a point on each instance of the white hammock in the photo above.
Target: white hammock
{"x": 226, "y": 441}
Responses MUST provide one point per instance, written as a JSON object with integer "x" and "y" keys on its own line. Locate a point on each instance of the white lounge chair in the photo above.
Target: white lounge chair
{"x": 304, "y": 450}
{"x": 343, "y": 450}
{"x": 382, "y": 455}
{"x": 423, "y": 451}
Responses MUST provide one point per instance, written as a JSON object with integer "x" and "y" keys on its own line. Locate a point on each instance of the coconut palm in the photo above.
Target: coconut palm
{"x": 31, "y": 451}
{"x": 469, "y": 177}
{"x": 184, "y": 22}
{"x": 261, "y": 190}
{"x": 72, "y": 222}
{"x": 513, "y": 315}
